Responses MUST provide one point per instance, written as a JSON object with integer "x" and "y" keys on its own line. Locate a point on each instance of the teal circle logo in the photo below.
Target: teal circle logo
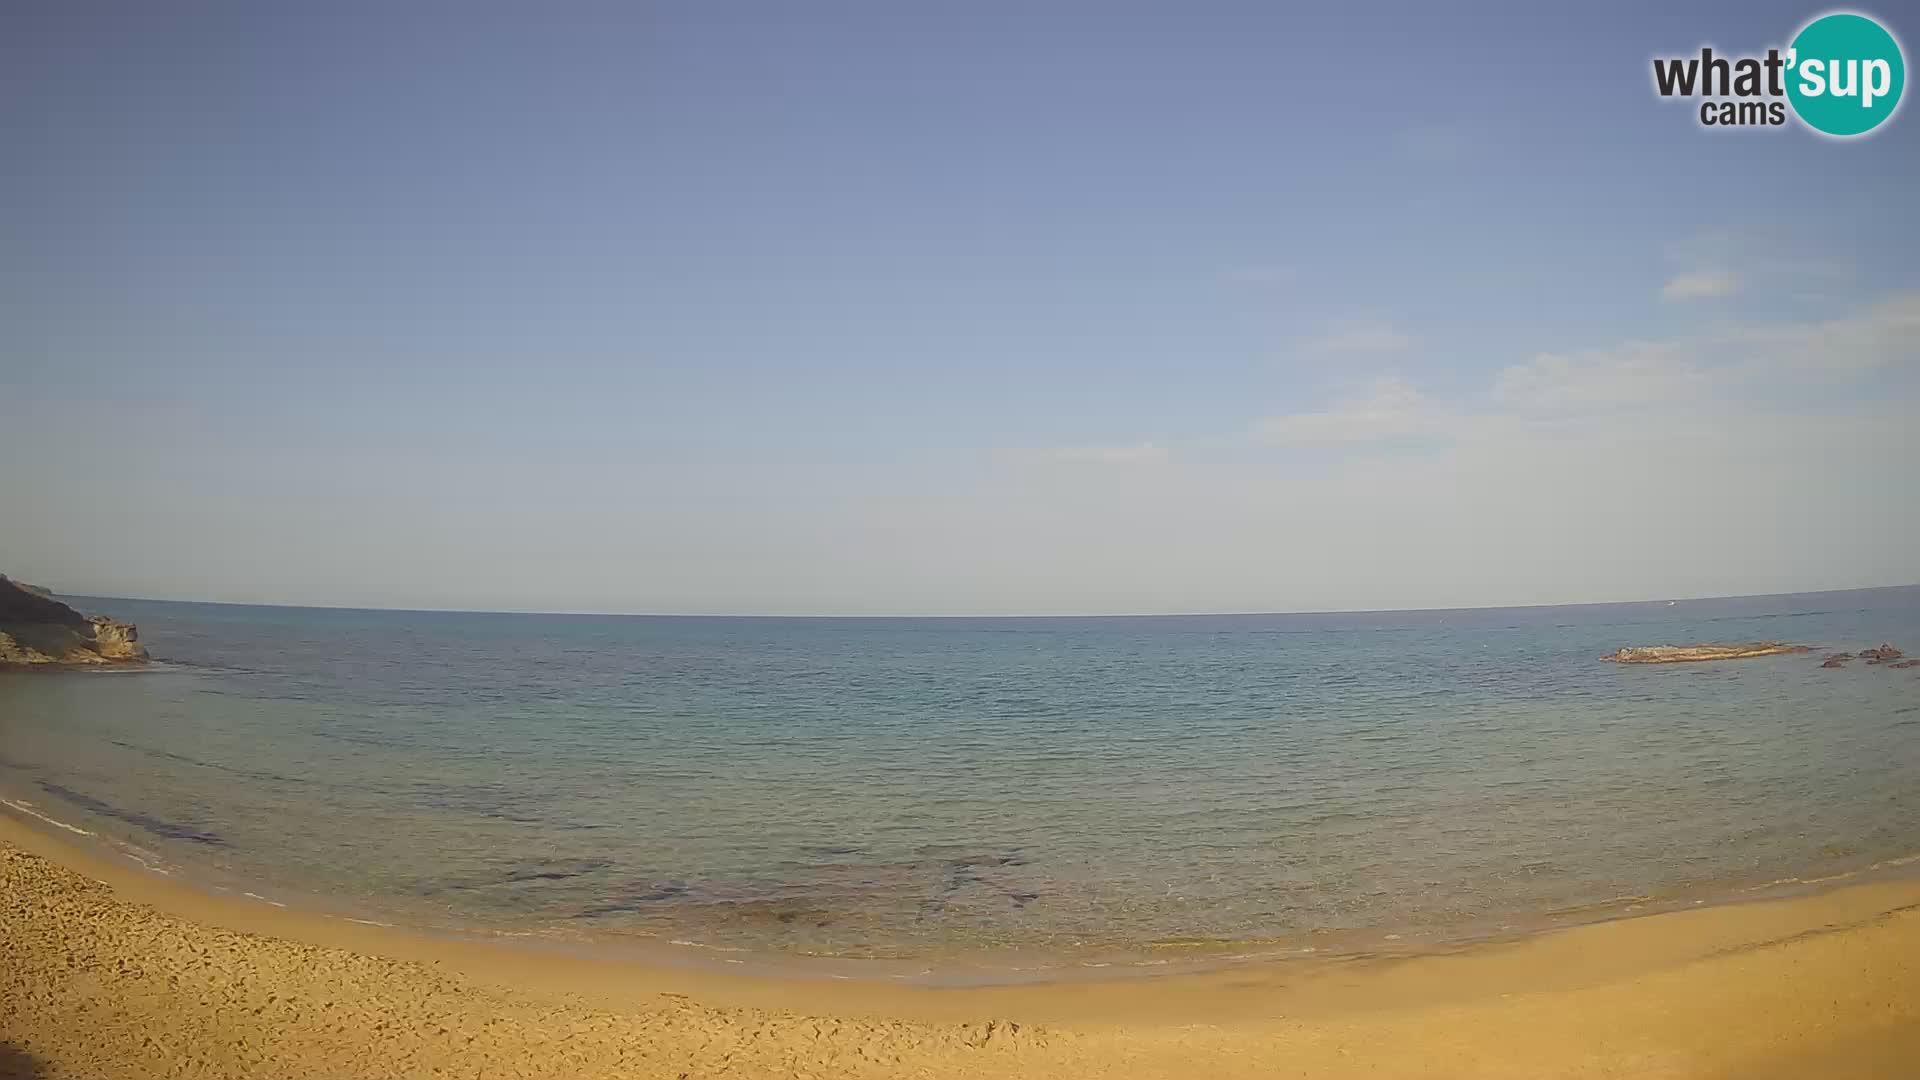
{"x": 1845, "y": 73}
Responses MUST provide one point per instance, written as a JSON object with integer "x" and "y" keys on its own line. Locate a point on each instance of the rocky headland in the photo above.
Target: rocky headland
{"x": 36, "y": 629}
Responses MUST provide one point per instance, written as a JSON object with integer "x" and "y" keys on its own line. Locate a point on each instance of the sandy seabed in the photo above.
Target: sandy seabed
{"x": 111, "y": 973}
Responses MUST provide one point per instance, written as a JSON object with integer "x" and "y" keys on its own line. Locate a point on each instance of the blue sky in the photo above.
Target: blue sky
{"x": 882, "y": 308}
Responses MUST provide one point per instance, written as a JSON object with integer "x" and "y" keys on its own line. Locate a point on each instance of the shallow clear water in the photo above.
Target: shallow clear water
{"x": 986, "y": 787}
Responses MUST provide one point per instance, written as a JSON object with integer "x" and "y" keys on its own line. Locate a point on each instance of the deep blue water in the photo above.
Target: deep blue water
{"x": 983, "y": 787}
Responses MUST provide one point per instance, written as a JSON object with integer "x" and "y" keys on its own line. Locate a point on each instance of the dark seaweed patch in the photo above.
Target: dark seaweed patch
{"x": 185, "y": 760}
{"x": 493, "y": 802}
{"x": 522, "y": 874}
{"x": 962, "y": 870}
{"x": 558, "y": 873}
{"x": 833, "y": 851}
{"x": 152, "y": 824}
{"x": 638, "y": 900}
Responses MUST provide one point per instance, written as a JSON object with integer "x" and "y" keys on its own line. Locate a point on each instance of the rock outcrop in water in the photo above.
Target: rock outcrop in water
{"x": 37, "y": 629}
{"x": 1682, "y": 654}
{"x": 1885, "y": 655}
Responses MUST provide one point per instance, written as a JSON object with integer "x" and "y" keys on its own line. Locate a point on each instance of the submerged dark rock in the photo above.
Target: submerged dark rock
{"x": 36, "y": 629}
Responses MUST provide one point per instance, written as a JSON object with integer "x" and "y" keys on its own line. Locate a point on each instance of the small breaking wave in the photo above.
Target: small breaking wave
{"x": 27, "y": 808}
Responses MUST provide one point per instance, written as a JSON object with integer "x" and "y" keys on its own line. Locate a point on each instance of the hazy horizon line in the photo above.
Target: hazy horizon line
{"x": 1066, "y": 615}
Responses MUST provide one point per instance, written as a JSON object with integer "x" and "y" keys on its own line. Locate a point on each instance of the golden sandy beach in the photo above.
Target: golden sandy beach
{"x": 109, "y": 972}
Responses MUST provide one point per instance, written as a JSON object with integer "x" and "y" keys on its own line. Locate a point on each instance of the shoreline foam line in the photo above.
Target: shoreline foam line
{"x": 27, "y": 808}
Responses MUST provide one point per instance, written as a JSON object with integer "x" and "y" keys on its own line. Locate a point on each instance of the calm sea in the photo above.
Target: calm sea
{"x": 985, "y": 791}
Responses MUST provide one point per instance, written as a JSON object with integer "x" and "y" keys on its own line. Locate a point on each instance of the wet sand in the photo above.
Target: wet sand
{"x": 109, "y": 971}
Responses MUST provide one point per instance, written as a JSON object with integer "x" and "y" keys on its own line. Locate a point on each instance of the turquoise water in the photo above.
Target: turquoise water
{"x": 1086, "y": 790}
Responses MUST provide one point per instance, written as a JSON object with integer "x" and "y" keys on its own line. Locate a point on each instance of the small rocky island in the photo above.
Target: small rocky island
{"x": 36, "y": 629}
{"x": 1885, "y": 655}
{"x": 1684, "y": 654}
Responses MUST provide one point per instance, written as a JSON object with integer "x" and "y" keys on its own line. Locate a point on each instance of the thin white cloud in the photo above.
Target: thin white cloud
{"x": 1146, "y": 453}
{"x": 1879, "y": 335}
{"x": 1391, "y": 409}
{"x": 1731, "y": 371}
{"x": 1701, "y": 285}
{"x": 1635, "y": 373}
{"x": 1361, "y": 337}
{"x": 1721, "y": 370}
{"x": 1682, "y": 466}
{"x": 1762, "y": 255}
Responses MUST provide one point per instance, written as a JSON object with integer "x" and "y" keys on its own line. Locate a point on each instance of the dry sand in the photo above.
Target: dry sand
{"x": 109, "y": 972}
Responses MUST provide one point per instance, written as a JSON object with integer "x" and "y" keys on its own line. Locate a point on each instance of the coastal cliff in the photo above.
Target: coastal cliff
{"x": 37, "y": 629}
